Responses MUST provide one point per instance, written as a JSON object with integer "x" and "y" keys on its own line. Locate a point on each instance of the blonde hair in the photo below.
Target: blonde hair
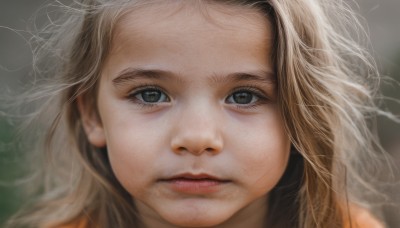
{"x": 326, "y": 80}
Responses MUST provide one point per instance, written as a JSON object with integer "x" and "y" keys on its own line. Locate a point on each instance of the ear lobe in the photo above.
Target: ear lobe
{"x": 91, "y": 124}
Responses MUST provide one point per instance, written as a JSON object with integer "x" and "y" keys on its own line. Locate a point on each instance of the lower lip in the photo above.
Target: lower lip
{"x": 202, "y": 186}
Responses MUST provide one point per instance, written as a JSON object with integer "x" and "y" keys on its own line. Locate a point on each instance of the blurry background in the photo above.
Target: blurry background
{"x": 383, "y": 18}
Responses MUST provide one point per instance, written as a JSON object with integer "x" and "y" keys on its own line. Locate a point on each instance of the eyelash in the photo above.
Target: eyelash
{"x": 261, "y": 97}
{"x": 142, "y": 88}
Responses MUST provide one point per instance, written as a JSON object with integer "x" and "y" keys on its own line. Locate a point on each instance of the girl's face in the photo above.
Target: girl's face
{"x": 188, "y": 112}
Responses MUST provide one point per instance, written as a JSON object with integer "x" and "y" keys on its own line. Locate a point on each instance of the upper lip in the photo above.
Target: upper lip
{"x": 192, "y": 176}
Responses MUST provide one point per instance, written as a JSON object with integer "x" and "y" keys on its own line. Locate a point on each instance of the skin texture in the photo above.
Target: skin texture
{"x": 198, "y": 63}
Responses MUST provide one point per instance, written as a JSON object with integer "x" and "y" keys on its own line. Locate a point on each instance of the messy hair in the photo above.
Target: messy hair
{"x": 326, "y": 83}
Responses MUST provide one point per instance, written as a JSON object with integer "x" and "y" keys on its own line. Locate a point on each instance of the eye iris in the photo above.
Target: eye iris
{"x": 151, "y": 96}
{"x": 242, "y": 97}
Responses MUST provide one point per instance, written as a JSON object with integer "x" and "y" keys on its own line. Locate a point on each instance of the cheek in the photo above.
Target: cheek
{"x": 265, "y": 165}
{"x": 132, "y": 150}
{"x": 262, "y": 152}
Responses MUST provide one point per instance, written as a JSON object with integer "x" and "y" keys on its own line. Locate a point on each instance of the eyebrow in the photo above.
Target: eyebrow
{"x": 257, "y": 76}
{"x": 132, "y": 74}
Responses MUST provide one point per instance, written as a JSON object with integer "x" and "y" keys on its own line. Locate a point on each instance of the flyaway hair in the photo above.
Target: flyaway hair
{"x": 327, "y": 84}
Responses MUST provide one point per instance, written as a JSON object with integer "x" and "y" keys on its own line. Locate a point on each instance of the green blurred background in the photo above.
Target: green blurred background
{"x": 9, "y": 172}
{"x": 383, "y": 17}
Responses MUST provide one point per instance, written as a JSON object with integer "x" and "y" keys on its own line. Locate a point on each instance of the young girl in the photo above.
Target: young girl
{"x": 203, "y": 114}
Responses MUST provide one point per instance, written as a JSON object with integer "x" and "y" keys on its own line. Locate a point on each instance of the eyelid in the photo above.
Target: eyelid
{"x": 262, "y": 98}
{"x": 143, "y": 87}
{"x": 257, "y": 91}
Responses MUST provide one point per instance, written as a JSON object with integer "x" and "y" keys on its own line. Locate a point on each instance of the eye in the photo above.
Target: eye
{"x": 242, "y": 98}
{"x": 150, "y": 95}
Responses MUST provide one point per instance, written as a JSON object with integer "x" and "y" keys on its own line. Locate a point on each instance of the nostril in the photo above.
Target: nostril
{"x": 181, "y": 148}
{"x": 209, "y": 149}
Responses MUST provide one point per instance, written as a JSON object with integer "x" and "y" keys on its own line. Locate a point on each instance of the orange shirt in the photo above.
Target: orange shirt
{"x": 362, "y": 218}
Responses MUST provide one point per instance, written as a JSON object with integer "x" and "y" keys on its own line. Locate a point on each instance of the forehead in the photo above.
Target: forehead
{"x": 191, "y": 39}
{"x": 192, "y": 19}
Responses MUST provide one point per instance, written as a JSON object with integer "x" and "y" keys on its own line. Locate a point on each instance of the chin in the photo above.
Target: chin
{"x": 196, "y": 223}
{"x": 197, "y": 219}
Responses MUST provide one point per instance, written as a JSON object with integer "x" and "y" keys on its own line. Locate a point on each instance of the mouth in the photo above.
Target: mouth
{"x": 194, "y": 177}
{"x": 195, "y": 183}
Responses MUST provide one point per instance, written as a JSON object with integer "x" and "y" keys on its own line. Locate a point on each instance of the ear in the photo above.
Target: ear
{"x": 91, "y": 124}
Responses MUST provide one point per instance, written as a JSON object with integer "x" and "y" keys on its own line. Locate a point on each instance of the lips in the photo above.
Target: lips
{"x": 195, "y": 183}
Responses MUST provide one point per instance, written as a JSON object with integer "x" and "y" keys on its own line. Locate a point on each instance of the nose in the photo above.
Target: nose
{"x": 197, "y": 132}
